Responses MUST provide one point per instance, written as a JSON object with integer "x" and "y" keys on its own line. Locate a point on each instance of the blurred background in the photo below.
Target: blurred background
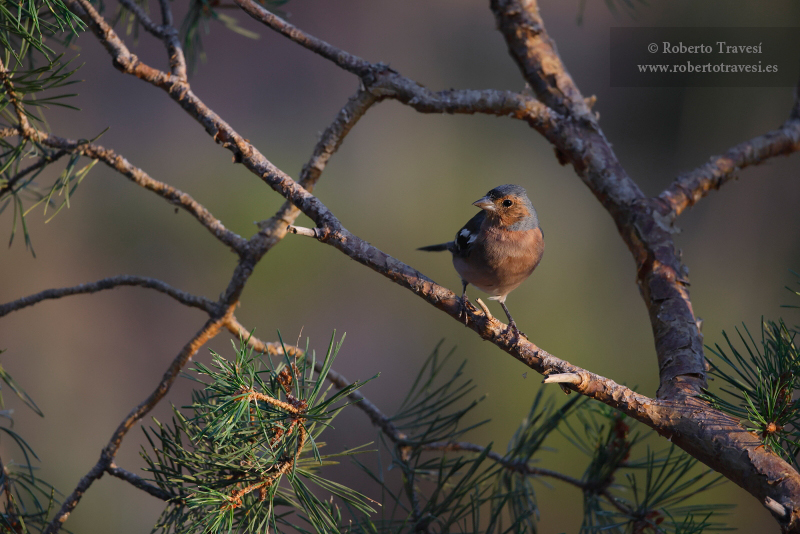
{"x": 401, "y": 180}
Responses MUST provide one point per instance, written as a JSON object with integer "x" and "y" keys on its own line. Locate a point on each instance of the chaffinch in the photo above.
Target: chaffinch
{"x": 499, "y": 247}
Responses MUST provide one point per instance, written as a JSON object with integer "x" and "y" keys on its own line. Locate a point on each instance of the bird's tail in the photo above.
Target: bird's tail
{"x": 438, "y": 248}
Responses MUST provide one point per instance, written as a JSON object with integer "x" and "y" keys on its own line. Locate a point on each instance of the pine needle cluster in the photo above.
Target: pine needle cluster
{"x": 246, "y": 456}
{"x": 761, "y": 382}
{"x": 33, "y": 76}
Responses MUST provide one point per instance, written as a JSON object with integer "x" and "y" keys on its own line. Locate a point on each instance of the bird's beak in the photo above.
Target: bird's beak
{"x": 485, "y": 204}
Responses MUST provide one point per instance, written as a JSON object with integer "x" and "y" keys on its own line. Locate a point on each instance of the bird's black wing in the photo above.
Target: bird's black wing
{"x": 468, "y": 234}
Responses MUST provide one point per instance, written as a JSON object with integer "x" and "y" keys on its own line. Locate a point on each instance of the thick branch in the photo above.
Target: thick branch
{"x": 110, "y": 283}
{"x": 535, "y": 53}
{"x": 660, "y": 274}
{"x": 684, "y": 192}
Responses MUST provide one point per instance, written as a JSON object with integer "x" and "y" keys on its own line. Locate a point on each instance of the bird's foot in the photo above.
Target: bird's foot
{"x": 464, "y": 313}
{"x": 516, "y": 331}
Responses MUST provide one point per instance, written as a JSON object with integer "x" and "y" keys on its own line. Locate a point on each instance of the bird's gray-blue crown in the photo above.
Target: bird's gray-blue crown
{"x": 507, "y": 189}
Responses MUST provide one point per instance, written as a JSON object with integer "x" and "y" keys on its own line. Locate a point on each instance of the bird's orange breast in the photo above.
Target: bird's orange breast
{"x": 500, "y": 260}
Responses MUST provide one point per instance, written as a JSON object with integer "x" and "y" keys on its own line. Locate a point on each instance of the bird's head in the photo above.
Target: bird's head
{"x": 509, "y": 206}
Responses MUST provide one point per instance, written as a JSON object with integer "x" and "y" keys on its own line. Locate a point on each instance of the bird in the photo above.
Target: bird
{"x": 499, "y": 247}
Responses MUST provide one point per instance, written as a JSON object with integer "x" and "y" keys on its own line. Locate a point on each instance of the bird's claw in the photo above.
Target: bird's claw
{"x": 464, "y": 313}
{"x": 516, "y": 331}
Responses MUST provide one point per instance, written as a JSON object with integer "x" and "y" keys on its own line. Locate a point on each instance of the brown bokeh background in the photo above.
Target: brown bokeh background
{"x": 401, "y": 180}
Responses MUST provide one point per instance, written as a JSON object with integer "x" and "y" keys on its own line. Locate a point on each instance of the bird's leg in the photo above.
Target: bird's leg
{"x": 464, "y": 302}
{"x": 511, "y": 322}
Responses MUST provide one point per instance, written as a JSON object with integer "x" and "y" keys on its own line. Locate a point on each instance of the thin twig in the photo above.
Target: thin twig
{"x": 273, "y": 230}
{"x": 143, "y": 18}
{"x": 330, "y": 141}
{"x": 522, "y": 467}
{"x": 138, "y": 176}
{"x": 387, "y": 83}
{"x": 209, "y": 330}
{"x": 177, "y": 59}
{"x": 273, "y": 348}
{"x": 109, "y": 283}
{"x": 509, "y": 463}
{"x": 345, "y": 60}
{"x": 45, "y": 160}
{"x": 690, "y": 187}
{"x": 24, "y": 124}
{"x": 138, "y": 482}
{"x": 166, "y": 13}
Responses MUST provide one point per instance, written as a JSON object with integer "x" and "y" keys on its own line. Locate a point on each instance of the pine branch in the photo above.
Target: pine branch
{"x": 250, "y": 428}
{"x": 384, "y": 423}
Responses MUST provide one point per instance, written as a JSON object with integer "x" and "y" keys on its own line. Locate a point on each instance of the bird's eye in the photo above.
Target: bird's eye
{"x": 507, "y": 203}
